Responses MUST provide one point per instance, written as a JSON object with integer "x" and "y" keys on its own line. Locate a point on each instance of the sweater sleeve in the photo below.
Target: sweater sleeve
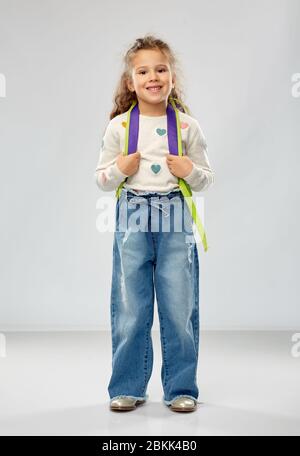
{"x": 108, "y": 176}
{"x": 201, "y": 176}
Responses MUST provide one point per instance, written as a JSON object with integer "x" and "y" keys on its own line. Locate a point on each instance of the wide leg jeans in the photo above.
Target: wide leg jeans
{"x": 154, "y": 254}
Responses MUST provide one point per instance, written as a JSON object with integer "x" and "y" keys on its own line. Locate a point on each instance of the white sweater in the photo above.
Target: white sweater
{"x": 153, "y": 173}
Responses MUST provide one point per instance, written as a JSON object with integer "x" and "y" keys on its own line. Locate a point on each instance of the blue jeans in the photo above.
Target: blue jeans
{"x": 165, "y": 260}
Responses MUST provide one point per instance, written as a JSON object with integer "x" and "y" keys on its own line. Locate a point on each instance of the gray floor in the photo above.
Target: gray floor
{"x": 55, "y": 383}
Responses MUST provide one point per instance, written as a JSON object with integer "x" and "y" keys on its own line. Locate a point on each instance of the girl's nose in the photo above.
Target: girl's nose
{"x": 153, "y": 76}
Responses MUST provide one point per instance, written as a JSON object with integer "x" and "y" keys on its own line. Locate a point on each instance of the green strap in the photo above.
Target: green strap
{"x": 185, "y": 108}
{"x": 186, "y": 189}
{"x": 119, "y": 189}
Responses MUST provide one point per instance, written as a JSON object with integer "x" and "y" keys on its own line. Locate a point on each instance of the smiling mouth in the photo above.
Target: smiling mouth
{"x": 154, "y": 89}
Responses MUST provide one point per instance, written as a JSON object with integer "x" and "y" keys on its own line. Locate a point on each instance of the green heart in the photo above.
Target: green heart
{"x": 155, "y": 168}
{"x": 161, "y": 131}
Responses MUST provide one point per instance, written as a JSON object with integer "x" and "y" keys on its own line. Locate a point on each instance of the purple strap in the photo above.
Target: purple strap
{"x": 134, "y": 130}
{"x": 172, "y": 130}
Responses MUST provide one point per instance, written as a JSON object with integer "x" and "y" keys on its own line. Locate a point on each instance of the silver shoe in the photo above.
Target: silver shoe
{"x": 125, "y": 403}
{"x": 183, "y": 404}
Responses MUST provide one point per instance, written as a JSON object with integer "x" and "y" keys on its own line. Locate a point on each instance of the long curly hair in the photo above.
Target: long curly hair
{"x": 123, "y": 97}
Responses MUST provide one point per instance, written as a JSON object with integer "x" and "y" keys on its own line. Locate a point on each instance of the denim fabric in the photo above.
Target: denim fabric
{"x": 149, "y": 262}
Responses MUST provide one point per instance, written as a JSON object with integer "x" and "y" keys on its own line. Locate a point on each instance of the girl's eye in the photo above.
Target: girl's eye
{"x": 143, "y": 71}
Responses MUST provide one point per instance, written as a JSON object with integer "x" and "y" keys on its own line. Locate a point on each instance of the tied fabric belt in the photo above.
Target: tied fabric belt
{"x": 152, "y": 200}
{"x": 154, "y": 203}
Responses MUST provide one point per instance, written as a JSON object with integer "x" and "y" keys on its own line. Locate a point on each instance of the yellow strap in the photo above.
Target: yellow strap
{"x": 186, "y": 189}
{"x": 186, "y": 109}
{"x": 119, "y": 189}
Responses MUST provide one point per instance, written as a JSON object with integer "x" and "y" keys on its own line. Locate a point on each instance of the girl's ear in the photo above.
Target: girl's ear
{"x": 173, "y": 81}
{"x": 129, "y": 85}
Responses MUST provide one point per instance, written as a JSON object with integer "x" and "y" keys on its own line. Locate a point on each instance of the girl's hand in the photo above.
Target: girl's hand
{"x": 180, "y": 166}
{"x": 129, "y": 164}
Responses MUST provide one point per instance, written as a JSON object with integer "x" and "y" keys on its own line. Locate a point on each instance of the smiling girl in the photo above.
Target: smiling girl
{"x": 146, "y": 262}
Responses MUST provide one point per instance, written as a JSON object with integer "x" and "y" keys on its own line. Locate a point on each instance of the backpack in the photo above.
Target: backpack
{"x": 175, "y": 148}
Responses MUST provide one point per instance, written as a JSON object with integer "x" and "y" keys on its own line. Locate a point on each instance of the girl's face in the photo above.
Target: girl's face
{"x": 150, "y": 67}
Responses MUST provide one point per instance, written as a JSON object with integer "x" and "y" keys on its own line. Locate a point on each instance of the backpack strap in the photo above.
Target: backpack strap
{"x": 175, "y": 148}
{"x": 131, "y": 136}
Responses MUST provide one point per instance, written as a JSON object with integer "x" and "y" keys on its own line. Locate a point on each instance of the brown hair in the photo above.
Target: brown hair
{"x": 123, "y": 97}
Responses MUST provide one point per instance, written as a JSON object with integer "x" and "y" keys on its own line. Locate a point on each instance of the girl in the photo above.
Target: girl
{"x": 147, "y": 257}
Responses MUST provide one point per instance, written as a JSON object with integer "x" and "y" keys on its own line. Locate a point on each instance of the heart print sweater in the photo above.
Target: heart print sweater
{"x": 153, "y": 173}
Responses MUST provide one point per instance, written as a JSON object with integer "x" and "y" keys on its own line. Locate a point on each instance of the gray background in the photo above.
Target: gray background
{"x": 62, "y": 61}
